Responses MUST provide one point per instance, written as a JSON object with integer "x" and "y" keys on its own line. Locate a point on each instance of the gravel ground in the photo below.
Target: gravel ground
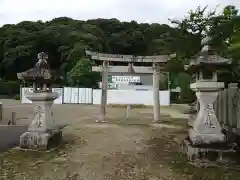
{"x": 122, "y": 149}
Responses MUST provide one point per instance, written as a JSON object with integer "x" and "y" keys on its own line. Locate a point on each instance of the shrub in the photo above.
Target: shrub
{"x": 9, "y": 87}
{"x": 17, "y": 97}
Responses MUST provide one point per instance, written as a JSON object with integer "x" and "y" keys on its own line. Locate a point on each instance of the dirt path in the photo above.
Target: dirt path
{"x": 116, "y": 150}
{"x": 122, "y": 149}
{"x": 94, "y": 152}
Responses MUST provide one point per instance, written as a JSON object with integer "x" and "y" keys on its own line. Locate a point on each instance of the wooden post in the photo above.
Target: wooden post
{"x": 13, "y": 118}
{"x": 225, "y": 107}
{"x": 156, "y": 79}
{"x": 44, "y": 87}
{"x": 20, "y": 93}
{"x": 104, "y": 92}
{"x": 34, "y": 87}
{"x": 128, "y": 109}
{"x": 1, "y": 111}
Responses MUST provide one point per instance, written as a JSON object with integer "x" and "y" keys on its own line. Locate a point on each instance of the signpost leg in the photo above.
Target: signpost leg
{"x": 156, "y": 79}
{"x": 128, "y": 111}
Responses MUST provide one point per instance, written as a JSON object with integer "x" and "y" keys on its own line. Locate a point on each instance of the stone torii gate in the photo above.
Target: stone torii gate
{"x": 158, "y": 63}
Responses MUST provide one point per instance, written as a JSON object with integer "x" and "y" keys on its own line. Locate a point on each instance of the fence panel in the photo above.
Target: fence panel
{"x": 233, "y": 101}
{"x": 85, "y": 95}
{"x": 67, "y": 93}
{"x": 74, "y": 96}
{"x": 59, "y": 100}
{"x": 77, "y": 95}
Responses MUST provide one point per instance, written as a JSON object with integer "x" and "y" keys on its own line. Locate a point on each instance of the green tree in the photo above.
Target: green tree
{"x": 80, "y": 75}
{"x": 66, "y": 39}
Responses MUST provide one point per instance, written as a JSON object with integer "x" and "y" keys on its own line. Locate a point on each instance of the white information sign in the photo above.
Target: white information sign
{"x": 125, "y": 79}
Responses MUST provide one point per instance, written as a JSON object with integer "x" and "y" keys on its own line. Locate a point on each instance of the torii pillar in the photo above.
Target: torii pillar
{"x": 104, "y": 93}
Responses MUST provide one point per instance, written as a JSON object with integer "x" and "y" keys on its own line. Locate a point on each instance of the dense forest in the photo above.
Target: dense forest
{"x": 65, "y": 41}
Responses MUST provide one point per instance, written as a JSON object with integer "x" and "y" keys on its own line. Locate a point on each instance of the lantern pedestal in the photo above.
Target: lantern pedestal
{"x": 206, "y": 142}
{"x": 206, "y": 128}
{"x": 42, "y": 133}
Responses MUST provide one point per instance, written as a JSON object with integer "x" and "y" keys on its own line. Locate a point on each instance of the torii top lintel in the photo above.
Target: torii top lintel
{"x": 128, "y": 58}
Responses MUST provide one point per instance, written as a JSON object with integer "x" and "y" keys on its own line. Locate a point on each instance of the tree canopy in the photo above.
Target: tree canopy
{"x": 65, "y": 41}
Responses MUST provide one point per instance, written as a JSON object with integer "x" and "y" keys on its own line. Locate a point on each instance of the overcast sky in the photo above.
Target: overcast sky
{"x": 151, "y": 11}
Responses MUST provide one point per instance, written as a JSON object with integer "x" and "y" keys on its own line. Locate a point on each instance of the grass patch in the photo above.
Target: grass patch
{"x": 166, "y": 149}
{"x": 180, "y": 165}
{"x": 15, "y": 164}
{"x": 175, "y": 121}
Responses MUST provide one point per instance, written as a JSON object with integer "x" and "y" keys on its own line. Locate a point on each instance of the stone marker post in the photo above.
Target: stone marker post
{"x": 206, "y": 128}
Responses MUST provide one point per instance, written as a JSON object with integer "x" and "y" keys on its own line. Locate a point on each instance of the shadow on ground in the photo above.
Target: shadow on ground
{"x": 10, "y": 136}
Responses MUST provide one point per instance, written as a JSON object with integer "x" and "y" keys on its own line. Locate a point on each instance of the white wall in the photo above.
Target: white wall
{"x": 131, "y": 97}
{"x": 93, "y": 96}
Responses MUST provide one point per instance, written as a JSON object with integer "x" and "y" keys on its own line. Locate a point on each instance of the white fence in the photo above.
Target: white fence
{"x": 77, "y": 95}
{"x": 71, "y": 95}
{"x": 24, "y": 100}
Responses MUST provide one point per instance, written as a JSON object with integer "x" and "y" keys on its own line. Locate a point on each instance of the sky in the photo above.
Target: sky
{"x": 144, "y": 11}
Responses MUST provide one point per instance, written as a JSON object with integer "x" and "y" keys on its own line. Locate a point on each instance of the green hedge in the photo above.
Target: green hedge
{"x": 9, "y": 87}
{"x": 183, "y": 97}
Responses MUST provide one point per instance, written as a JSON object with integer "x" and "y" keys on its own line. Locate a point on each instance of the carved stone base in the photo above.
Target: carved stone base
{"x": 200, "y": 138}
{"x": 40, "y": 141}
{"x": 209, "y": 156}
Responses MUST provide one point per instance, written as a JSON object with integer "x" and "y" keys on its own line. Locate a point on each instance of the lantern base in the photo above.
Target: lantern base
{"x": 210, "y": 155}
{"x": 197, "y": 138}
{"x": 40, "y": 141}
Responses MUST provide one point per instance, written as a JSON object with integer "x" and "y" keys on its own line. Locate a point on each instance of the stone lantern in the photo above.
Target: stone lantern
{"x": 42, "y": 133}
{"x": 206, "y": 130}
